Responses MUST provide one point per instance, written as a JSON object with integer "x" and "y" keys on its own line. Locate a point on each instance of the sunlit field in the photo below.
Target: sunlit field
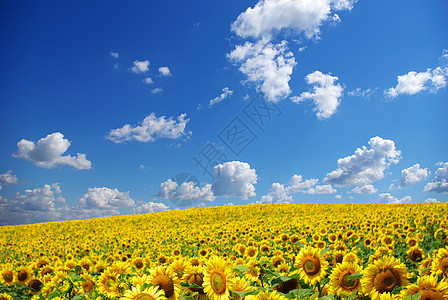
{"x": 278, "y": 252}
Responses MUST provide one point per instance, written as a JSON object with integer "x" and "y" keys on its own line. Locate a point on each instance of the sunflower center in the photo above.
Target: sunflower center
{"x": 35, "y": 284}
{"x": 143, "y": 296}
{"x": 8, "y": 277}
{"x": 386, "y": 281}
{"x": 415, "y": 256}
{"x": 251, "y": 252}
{"x": 22, "y": 276}
{"x": 139, "y": 265}
{"x": 287, "y": 286}
{"x": 431, "y": 295}
{"x": 444, "y": 266}
{"x": 346, "y": 282}
{"x": 254, "y": 271}
{"x": 312, "y": 266}
{"x": 166, "y": 284}
{"x": 218, "y": 282}
{"x": 87, "y": 286}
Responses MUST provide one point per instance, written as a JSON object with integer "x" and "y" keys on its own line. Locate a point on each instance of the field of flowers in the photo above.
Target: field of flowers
{"x": 266, "y": 252}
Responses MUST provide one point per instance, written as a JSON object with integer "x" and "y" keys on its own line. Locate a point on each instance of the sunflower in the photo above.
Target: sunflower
{"x": 269, "y": 296}
{"x": 254, "y": 270}
{"x": 35, "y": 285}
{"x": 424, "y": 267}
{"x": 351, "y": 257}
{"x": 5, "y": 296}
{"x": 383, "y": 276}
{"x": 7, "y": 275}
{"x": 108, "y": 283}
{"x": 88, "y": 284}
{"x": 179, "y": 266}
{"x": 241, "y": 285}
{"x": 165, "y": 280}
{"x": 340, "y": 283}
{"x": 440, "y": 262}
{"x": 416, "y": 254}
{"x": 429, "y": 287}
{"x": 23, "y": 275}
{"x": 86, "y": 264}
{"x": 195, "y": 275}
{"x": 218, "y": 279}
{"x": 311, "y": 267}
{"x": 137, "y": 293}
{"x": 389, "y": 296}
{"x": 251, "y": 252}
{"x": 287, "y": 286}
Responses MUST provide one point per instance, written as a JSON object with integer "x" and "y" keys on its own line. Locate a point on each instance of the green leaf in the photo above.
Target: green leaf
{"x": 244, "y": 294}
{"x": 414, "y": 296}
{"x": 352, "y": 296}
{"x": 323, "y": 251}
{"x": 355, "y": 276}
{"x": 241, "y": 269}
{"x": 53, "y": 294}
{"x": 328, "y": 297}
{"x": 425, "y": 269}
{"x": 190, "y": 285}
{"x": 302, "y": 293}
{"x": 278, "y": 280}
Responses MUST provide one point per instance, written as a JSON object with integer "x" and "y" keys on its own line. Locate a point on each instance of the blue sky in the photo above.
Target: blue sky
{"x": 103, "y": 105}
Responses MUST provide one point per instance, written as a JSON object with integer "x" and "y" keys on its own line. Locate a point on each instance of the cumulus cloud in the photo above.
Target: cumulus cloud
{"x": 114, "y": 54}
{"x": 365, "y": 189}
{"x": 150, "y": 207}
{"x": 440, "y": 182}
{"x": 151, "y": 129}
{"x": 148, "y": 80}
{"x": 156, "y": 91}
{"x": 101, "y": 202}
{"x": 268, "y": 17}
{"x": 338, "y": 197}
{"x": 165, "y": 71}
{"x": 267, "y": 65}
{"x": 321, "y": 189}
{"x": 36, "y": 205}
{"x": 431, "y": 200}
{"x": 412, "y": 175}
{"x": 234, "y": 179}
{"x": 389, "y": 199}
{"x": 277, "y": 194}
{"x": 366, "y": 166}
{"x": 414, "y": 82}
{"x": 166, "y": 188}
{"x": 325, "y": 95}
{"x": 8, "y": 178}
{"x": 297, "y": 184}
{"x": 47, "y": 152}
{"x": 226, "y": 92}
{"x": 140, "y": 66}
{"x": 189, "y": 191}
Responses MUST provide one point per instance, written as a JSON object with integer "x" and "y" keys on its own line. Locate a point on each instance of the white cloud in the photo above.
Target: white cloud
{"x": 326, "y": 94}
{"x": 389, "y": 199}
{"x": 365, "y": 189}
{"x": 140, "y": 66}
{"x": 189, "y": 191}
{"x": 366, "y": 166}
{"x": 413, "y": 82}
{"x": 277, "y": 194}
{"x": 361, "y": 93}
{"x": 8, "y": 178}
{"x": 412, "y": 175}
{"x": 270, "y": 16}
{"x": 151, "y": 129}
{"x": 440, "y": 182}
{"x": 37, "y": 205}
{"x": 431, "y": 200}
{"x": 269, "y": 66}
{"x": 148, "y": 80}
{"x": 150, "y": 207}
{"x": 101, "y": 202}
{"x": 158, "y": 90}
{"x": 297, "y": 185}
{"x": 445, "y": 53}
{"x": 226, "y": 93}
{"x": 47, "y": 152}
{"x": 338, "y": 197}
{"x": 166, "y": 188}
{"x": 234, "y": 179}
{"x": 114, "y": 54}
{"x": 165, "y": 71}
{"x": 321, "y": 189}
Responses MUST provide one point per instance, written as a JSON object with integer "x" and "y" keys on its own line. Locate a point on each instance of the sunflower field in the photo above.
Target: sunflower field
{"x": 253, "y": 252}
